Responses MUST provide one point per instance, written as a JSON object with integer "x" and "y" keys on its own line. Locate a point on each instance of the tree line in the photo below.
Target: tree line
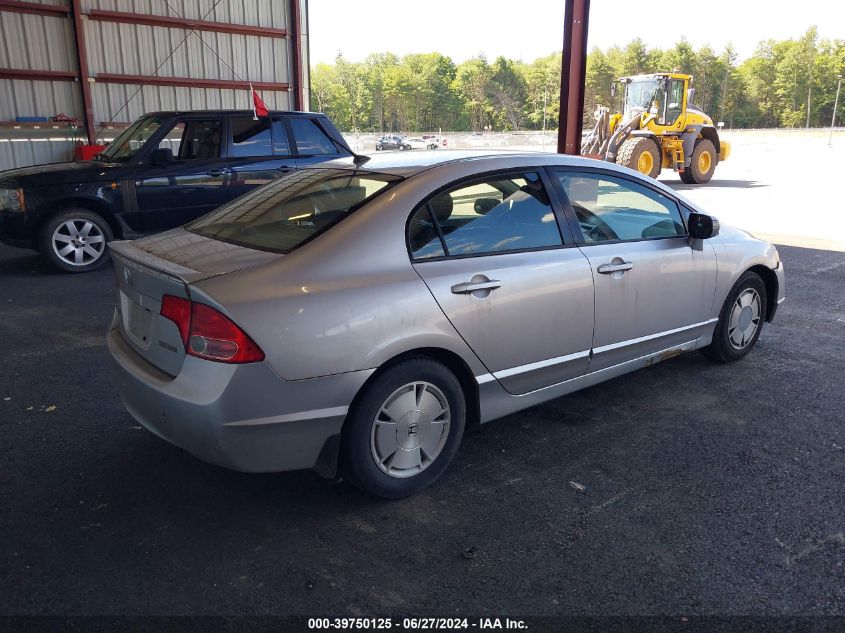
{"x": 787, "y": 83}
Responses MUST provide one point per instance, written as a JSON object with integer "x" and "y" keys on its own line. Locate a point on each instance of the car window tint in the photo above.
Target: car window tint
{"x": 502, "y": 214}
{"x": 423, "y": 237}
{"x": 251, "y": 137}
{"x": 610, "y": 208}
{"x": 310, "y": 138}
{"x": 201, "y": 140}
{"x": 281, "y": 146}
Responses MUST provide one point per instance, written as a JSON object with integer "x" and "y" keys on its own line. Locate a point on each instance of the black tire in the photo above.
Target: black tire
{"x": 686, "y": 177}
{"x": 722, "y": 349}
{"x": 56, "y": 231}
{"x": 378, "y": 147}
{"x": 633, "y": 149}
{"x": 402, "y": 148}
{"x": 694, "y": 175}
{"x": 359, "y": 460}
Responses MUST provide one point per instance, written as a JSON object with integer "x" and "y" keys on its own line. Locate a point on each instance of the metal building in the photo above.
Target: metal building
{"x": 106, "y": 62}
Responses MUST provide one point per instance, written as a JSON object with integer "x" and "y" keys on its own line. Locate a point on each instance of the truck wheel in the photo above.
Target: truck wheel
{"x": 641, "y": 154}
{"x": 75, "y": 240}
{"x": 703, "y": 163}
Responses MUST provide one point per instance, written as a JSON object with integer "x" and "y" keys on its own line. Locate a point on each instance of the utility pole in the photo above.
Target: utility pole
{"x": 835, "y": 106}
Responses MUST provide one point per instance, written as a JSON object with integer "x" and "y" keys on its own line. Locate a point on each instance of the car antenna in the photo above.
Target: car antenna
{"x": 359, "y": 159}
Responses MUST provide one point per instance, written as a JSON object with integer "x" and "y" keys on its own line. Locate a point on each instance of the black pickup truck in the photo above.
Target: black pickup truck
{"x": 166, "y": 169}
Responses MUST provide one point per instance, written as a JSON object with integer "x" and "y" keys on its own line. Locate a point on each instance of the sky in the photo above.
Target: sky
{"x": 527, "y": 29}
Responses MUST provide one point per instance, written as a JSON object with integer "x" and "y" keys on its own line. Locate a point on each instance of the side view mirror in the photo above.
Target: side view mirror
{"x": 701, "y": 226}
{"x": 690, "y": 95}
{"x": 162, "y": 155}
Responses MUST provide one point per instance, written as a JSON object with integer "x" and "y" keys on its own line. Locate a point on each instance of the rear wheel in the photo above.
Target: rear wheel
{"x": 75, "y": 240}
{"x": 740, "y": 320}
{"x": 703, "y": 163}
{"x": 405, "y": 429}
{"x": 642, "y": 154}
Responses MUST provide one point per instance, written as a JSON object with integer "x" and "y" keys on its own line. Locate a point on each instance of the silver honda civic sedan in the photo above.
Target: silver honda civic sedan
{"x": 361, "y": 315}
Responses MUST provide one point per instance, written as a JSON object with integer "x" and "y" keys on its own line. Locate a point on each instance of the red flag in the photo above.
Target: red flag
{"x": 259, "y": 108}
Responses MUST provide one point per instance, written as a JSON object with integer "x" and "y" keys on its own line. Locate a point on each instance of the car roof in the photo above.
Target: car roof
{"x": 227, "y": 112}
{"x": 407, "y": 164}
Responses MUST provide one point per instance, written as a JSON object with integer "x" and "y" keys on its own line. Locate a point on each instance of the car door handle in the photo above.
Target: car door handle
{"x": 215, "y": 173}
{"x": 606, "y": 269}
{"x": 468, "y": 287}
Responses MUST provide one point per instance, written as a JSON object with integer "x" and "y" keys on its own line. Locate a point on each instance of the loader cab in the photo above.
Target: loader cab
{"x": 663, "y": 96}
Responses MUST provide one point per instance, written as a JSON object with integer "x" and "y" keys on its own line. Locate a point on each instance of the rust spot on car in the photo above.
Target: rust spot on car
{"x": 671, "y": 354}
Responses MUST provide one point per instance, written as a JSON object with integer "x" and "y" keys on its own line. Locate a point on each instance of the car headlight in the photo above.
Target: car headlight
{"x": 12, "y": 200}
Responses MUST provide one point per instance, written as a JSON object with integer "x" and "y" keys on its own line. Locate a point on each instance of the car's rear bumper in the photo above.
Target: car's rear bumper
{"x": 242, "y": 417}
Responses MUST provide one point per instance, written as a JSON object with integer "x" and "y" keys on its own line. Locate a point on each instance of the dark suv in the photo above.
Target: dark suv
{"x": 166, "y": 169}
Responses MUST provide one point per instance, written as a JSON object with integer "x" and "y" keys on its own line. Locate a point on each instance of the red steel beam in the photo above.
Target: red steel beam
{"x": 296, "y": 62}
{"x": 15, "y": 6}
{"x": 174, "y": 22}
{"x": 187, "y": 82}
{"x": 82, "y": 65}
{"x": 43, "y": 75}
{"x": 572, "y": 76}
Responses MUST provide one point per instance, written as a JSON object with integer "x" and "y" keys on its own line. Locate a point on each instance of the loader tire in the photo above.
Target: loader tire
{"x": 703, "y": 163}
{"x": 640, "y": 154}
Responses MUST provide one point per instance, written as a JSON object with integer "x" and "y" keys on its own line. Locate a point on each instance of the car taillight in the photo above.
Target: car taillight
{"x": 209, "y": 334}
{"x": 177, "y": 310}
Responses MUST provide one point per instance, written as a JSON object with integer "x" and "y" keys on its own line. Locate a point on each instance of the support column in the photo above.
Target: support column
{"x": 573, "y": 76}
{"x": 82, "y": 65}
{"x": 295, "y": 34}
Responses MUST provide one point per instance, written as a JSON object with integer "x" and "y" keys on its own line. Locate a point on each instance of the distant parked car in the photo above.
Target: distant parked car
{"x": 166, "y": 169}
{"x": 436, "y": 140}
{"x": 392, "y": 142}
{"x": 421, "y": 143}
{"x": 365, "y": 315}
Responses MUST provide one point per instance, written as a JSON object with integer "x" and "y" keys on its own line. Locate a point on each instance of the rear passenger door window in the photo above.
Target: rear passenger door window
{"x": 251, "y": 137}
{"x": 612, "y": 209}
{"x": 311, "y": 139}
{"x": 495, "y": 215}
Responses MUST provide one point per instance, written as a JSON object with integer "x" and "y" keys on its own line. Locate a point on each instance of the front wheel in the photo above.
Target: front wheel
{"x": 740, "y": 320}
{"x": 378, "y": 148}
{"x": 641, "y": 154}
{"x": 75, "y": 240}
{"x": 405, "y": 429}
{"x": 702, "y": 164}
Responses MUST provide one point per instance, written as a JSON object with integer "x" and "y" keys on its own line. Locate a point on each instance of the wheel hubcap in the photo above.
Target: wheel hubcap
{"x": 78, "y": 242}
{"x": 645, "y": 163}
{"x": 745, "y": 319}
{"x": 704, "y": 162}
{"x": 410, "y": 429}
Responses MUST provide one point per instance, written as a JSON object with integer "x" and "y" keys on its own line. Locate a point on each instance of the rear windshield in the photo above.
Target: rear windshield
{"x": 293, "y": 209}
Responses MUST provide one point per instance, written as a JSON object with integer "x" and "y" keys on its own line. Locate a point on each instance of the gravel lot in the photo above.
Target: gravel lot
{"x": 709, "y": 489}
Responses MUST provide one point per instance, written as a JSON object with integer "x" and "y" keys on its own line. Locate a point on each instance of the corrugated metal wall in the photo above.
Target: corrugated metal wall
{"x": 37, "y": 42}
{"x": 47, "y": 43}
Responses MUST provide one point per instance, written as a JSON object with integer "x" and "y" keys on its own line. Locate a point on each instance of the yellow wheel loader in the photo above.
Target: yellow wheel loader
{"x": 658, "y": 128}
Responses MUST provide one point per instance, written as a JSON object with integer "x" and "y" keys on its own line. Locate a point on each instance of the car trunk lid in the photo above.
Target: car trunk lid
{"x": 168, "y": 264}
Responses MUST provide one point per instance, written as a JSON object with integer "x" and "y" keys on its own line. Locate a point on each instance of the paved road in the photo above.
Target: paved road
{"x": 709, "y": 489}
